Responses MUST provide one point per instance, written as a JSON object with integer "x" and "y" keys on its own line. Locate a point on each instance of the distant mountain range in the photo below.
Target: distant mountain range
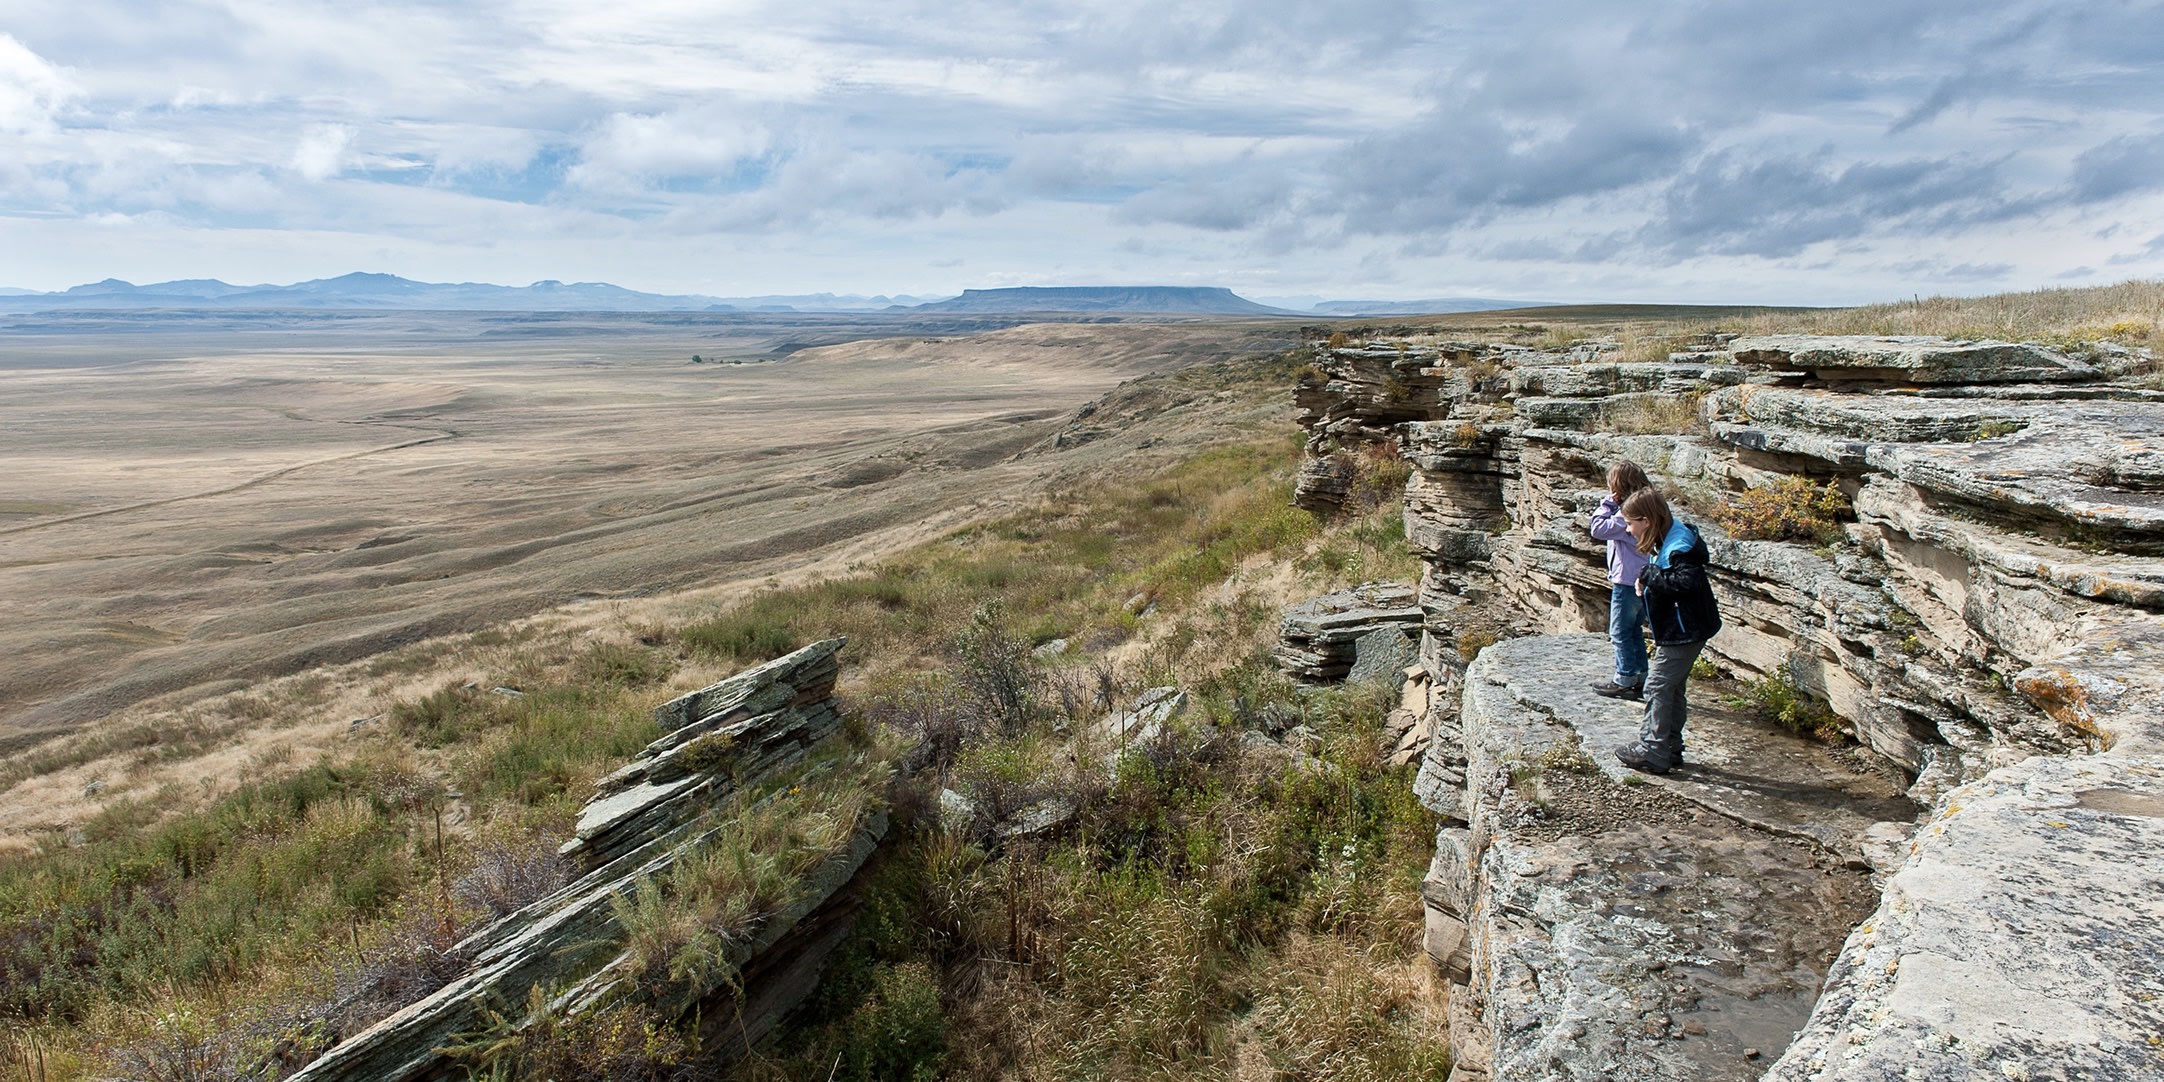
{"x": 389, "y": 291}
{"x": 1161, "y": 300}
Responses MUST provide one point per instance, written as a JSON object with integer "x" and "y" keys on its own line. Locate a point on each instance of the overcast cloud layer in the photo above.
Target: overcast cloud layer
{"x": 1840, "y": 151}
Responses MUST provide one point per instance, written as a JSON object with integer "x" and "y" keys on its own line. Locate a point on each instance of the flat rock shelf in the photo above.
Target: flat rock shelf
{"x": 1612, "y": 924}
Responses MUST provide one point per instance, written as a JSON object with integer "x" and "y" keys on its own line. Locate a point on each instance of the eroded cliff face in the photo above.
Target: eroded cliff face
{"x": 1988, "y": 620}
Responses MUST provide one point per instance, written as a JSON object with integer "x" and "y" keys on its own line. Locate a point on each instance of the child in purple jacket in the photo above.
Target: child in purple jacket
{"x": 1626, "y": 609}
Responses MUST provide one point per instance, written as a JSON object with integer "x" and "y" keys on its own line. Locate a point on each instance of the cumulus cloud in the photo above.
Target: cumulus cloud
{"x": 633, "y": 150}
{"x": 31, "y": 89}
{"x": 1382, "y": 138}
{"x": 321, "y": 153}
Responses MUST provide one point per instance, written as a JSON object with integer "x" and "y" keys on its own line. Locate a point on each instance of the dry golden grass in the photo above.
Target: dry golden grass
{"x": 2130, "y": 313}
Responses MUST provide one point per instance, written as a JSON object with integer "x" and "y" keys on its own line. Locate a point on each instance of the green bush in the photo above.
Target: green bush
{"x": 1776, "y": 698}
{"x": 900, "y": 1034}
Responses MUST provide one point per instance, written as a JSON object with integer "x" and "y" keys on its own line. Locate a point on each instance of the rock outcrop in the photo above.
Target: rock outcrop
{"x": 1986, "y": 619}
{"x": 766, "y": 729}
{"x": 1369, "y": 632}
{"x": 1603, "y": 925}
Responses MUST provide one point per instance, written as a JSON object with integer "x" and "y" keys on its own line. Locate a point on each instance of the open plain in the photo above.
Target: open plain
{"x": 191, "y": 503}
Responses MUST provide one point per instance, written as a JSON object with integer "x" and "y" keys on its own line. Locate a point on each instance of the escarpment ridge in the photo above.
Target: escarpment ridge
{"x": 1957, "y": 547}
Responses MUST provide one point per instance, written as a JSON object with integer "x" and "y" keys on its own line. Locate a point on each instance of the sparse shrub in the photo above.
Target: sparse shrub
{"x": 182, "y": 1045}
{"x": 507, "y": 874}
{"x": 625, "y": 666}
{"x": 621, "y": 1042}
{"x": 686, "y": 931}
{"x": 439, "y": 718}
{"x": 416, "y": 957}
{"x": 1476, "y": 636}
{"x": 1001, "y": 778}
{"x": 997, "y": 669}
{"x": 1789, "y": 509}
{"x": 900, "y": 1033}
{"x": 928, "y": 711}
{"x": 1379, "y": 475}
{"x": 1776, "y": 698}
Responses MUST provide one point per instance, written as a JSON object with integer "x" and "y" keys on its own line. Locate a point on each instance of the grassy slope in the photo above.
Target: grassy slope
{"x": 1205, "y": 914}
{"x": 163, "y": 931}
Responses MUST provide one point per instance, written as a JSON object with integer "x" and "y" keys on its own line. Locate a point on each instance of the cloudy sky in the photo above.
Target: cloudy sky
{"x": 1734, "y": 150}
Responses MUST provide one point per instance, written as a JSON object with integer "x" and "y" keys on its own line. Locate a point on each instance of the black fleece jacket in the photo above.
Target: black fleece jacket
{"x": 1679, "y": 598}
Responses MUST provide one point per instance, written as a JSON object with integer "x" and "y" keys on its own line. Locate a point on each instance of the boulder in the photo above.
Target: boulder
{"x": 1320, "y": 640}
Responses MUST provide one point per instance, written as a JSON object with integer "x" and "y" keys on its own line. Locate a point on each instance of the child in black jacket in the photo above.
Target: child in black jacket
{"x": 1682, "y": 613}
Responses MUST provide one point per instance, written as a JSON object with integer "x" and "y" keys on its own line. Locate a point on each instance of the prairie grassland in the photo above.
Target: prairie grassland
{"x": 236, "y": 925}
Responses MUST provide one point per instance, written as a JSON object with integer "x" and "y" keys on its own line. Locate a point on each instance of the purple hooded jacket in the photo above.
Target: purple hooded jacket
{"x": 1624, "y": 559}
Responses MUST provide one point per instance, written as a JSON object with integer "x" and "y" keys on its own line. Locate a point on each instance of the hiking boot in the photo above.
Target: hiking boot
{"x": 1638, "y": 757}
{"x": 1609, "y": 689}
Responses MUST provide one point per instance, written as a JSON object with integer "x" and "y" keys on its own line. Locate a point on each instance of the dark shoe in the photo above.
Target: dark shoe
{"x": 1637, "y": 757}
{"x": 1611, "y": 690}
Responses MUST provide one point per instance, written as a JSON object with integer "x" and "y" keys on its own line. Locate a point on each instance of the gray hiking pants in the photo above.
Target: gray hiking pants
{"x": 1666, "y": 709}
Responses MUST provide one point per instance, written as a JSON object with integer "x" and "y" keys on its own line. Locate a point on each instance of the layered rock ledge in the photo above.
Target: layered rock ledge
{"x": 1608, "y": 925}
{"x": 766, "y": 728}
{"x": 1985, "y": 615}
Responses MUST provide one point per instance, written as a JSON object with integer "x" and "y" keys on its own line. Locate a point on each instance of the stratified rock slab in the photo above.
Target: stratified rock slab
{"x": 1323, "y": 639}
{"x": 1910, "y": 359}
{"x": 1613, "y": 930}
{"x": 2022, "y": 939}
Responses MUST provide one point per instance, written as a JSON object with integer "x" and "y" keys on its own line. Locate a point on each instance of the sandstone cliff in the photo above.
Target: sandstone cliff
{"x": 1987, "y": 620}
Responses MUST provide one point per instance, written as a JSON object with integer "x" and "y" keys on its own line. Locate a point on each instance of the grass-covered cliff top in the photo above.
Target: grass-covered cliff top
{"x": 2130, "y": 314}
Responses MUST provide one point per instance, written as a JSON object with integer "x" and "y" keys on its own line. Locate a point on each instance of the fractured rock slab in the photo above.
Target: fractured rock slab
{"x": 735, "y": 734}
{"x": 1375, "y": 625}
{"x": 1611, "y": 930}
{"x": 1910, "y": 359}
{"x": 2020, "y": 940}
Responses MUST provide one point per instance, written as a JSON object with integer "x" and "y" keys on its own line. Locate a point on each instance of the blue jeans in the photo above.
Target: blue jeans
{"x": 1626, "y": 631}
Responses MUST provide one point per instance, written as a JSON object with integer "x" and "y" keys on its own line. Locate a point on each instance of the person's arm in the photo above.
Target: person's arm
{"x": 1608, "y": 524}
{"x": 1679, "y": 577}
